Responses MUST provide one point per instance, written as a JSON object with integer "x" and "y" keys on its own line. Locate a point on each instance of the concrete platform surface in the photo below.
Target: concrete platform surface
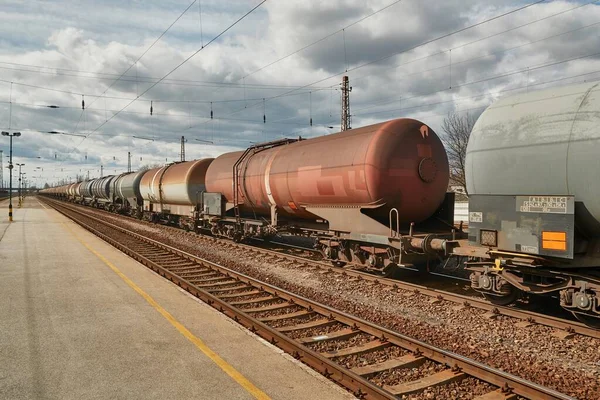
{"x": 81, "y": 320}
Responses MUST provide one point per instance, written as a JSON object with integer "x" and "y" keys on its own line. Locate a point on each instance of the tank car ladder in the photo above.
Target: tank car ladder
{"x": 394, "y": 233}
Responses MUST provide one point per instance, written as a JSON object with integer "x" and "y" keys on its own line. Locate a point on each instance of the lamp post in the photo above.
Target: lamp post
{"x": 23, "y": 187}
{"x": 10, "y": 167}
{"x": 20, "y": 165}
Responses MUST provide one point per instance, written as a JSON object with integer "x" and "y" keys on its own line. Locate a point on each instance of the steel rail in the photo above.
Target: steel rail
{"x": 359, "y": 385}
{"x": 565, "y": 327}
{"x": 531, "y": 317}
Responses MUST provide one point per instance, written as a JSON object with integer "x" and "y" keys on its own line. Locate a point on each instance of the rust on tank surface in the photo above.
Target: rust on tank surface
{"x": 400, "y": 163}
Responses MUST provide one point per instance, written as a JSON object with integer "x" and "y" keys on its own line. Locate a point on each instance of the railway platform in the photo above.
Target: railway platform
{"x": 79, "y": 319}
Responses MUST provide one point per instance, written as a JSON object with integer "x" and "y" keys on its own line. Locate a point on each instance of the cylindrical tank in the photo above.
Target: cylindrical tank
{"x": 73, "y": 188}
{"x": 101, "y": 187}
{"x": 86, "y": 188}
{"x": 77, "y": 189}
{"x": 539, "y": 143}
{"x": 128, "y": 185}
{"x": 114, "y": 185}
{"x": 400, "y": 163}
{"x": 178, "y": 183}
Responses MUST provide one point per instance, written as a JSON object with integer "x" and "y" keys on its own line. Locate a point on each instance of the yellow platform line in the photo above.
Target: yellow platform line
{"x": 224, "y": 365}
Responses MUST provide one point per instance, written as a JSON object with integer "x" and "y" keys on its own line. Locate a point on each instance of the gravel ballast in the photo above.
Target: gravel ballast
{"x": 571, "y": 366}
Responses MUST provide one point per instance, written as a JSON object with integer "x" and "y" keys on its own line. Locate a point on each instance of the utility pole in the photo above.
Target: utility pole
{"x": 182, "y": 154}
{"x": 1, "y": 171}
{"x": 101, "y": 171}
{"x": 346, "y": 89}
{"x": 128, "y": 161}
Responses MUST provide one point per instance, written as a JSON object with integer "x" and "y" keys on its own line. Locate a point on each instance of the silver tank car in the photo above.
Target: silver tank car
{"x": 127, "y": 188}
{"x": 86, "y": 189}
{"x": 101, "y": 188}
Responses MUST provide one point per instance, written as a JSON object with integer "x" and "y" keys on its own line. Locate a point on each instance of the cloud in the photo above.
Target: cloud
{"x": 82, "y": 47}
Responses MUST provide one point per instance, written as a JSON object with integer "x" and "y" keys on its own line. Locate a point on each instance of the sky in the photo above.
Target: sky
{"x": 266, "y": 76}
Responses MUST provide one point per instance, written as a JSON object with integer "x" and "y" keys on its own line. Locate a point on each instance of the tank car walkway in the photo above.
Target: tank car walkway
{"x": 80, "y": 320}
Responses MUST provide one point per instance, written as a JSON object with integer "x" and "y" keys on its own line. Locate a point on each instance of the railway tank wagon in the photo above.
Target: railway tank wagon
{"x": 534, "y": 208}
{"x": 87, "y": 197}
{"x": 76, "y": 192}
{"x": 70, "y": 191}
{"x": 101, "y": 193}
{"x": 125, "y": 192}
{"x": 366, "y": 194}
{"x": 171, "y": 193}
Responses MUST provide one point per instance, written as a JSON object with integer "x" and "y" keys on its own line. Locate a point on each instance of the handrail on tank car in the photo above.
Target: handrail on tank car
{"x": 394, "y": 233}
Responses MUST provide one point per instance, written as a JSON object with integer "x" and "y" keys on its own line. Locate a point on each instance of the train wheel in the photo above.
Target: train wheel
{"x": 338, "y": 264}
{"x": 589, "y": 320}
{"x": 506, "y": 299}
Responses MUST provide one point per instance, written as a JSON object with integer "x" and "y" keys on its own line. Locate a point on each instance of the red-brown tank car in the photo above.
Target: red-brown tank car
{"x": 400, "y": 163}
{"x": 353, "y": 188}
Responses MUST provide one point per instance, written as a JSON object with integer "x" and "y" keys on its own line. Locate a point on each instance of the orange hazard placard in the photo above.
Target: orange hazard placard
{"x": 554, "y": 241}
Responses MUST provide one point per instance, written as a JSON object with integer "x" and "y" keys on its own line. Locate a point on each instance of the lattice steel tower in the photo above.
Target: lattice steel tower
{"x": 182, "y": 154}
{"x": 346, "y": 119}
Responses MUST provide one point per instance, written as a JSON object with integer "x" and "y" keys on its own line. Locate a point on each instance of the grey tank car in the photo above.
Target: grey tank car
{"x": 534, "y": 197}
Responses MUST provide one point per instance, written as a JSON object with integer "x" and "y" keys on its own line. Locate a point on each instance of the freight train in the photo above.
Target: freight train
{"x": 376, "y": 197}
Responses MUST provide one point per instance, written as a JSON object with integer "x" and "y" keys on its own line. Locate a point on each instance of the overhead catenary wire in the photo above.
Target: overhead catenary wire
{"x": 486, "y": 93}
{"x": 187, "y": 82}
{"x": 257, "y": 99}
{"x": 293, "y": 133}
{"x": 174, "y": 69}
{"x": 503, "y": 75}
{"x": 149, "y": 48}
{"x": 104, "y": 96}
{"x": 164, "y": 114}
{"x": 445, "y": 88}
{"x": 406, "y": 76}
{"x": 480, "y": 107}
{"x": 360, "y": 109}
{"x": 323, "y": 38}
{"x": 440, "y": 52}
{"x": 401, "y": 52}
{"x": 142, "y": 79}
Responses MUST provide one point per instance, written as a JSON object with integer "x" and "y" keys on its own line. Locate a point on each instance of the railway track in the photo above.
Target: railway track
{"x": 564, "y": 328}
{"x": 371, "y": 361}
